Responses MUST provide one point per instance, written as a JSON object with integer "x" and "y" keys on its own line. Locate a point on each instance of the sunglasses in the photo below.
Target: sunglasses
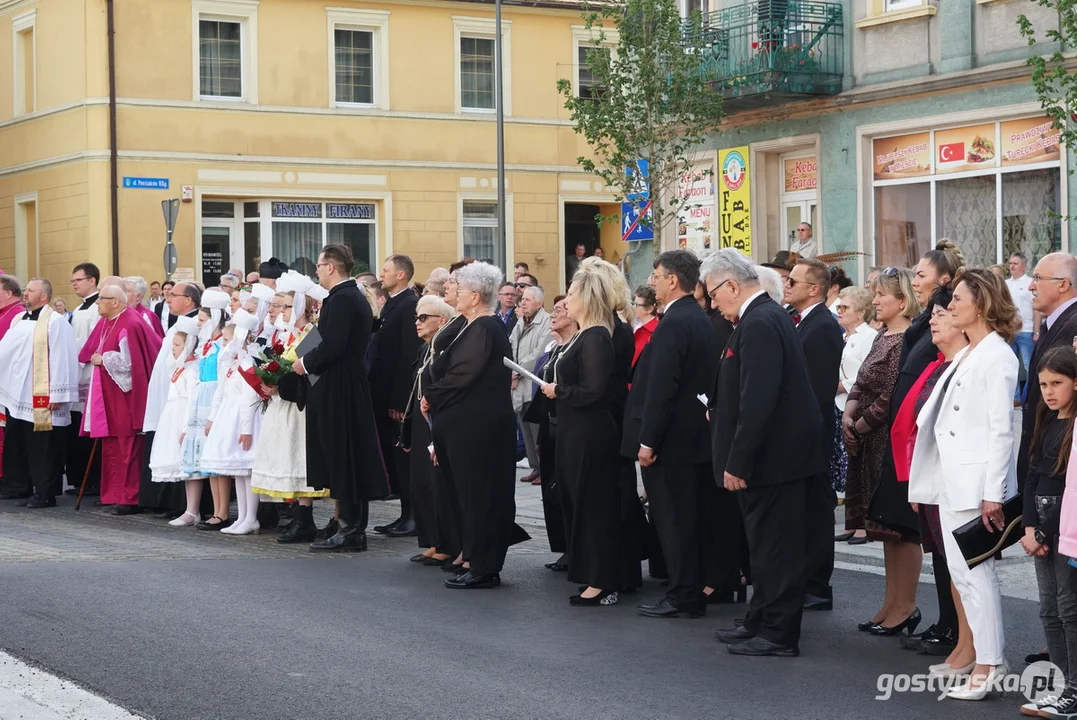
{"x": 522, "y": 284}
{"x": 891, "y": 271}
{"x": 422, "y": 318}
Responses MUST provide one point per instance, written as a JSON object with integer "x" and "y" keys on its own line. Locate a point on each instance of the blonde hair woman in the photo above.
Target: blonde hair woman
{"x": 587, "y": 466}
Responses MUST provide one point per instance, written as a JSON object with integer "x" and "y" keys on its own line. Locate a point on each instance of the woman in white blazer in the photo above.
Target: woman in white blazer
{"x": 964, "y": 459}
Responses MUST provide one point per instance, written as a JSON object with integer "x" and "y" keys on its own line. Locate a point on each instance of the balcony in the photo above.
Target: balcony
{"x": 773, "y": 51}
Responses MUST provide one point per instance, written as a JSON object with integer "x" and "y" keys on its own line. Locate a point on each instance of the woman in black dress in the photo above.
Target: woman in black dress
{"x": 587, "y": 464}
{"x": 473, "y": 428}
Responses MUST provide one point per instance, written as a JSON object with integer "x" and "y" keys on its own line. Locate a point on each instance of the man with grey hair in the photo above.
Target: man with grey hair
{"x": 772, "y": 282}
{"x": 39, "y": 382}
{"x": 767, "y": 448}
{"x": 229, "y": 283}
{"x": 135, "y": 287}
{"x": 528, "y": 339}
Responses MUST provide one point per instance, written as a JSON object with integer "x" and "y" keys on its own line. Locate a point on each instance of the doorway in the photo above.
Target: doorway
{"x": 216, "y": 252}
{"x": 795, "y": 212}
{"x": 581, "y": 228}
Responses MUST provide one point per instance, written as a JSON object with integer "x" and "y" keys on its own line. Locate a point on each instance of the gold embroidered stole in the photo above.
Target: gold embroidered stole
{"x": 40, "y": 388}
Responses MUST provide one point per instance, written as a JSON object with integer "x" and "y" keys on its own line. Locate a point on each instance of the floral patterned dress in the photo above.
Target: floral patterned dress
{"x": 874, "y": 384}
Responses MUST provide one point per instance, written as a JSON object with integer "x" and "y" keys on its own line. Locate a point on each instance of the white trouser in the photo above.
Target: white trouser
{"x": 979, "y": 588}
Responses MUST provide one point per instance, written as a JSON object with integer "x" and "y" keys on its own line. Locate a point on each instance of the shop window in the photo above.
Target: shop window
{"x": 1030, "y": 214}
{"x": 218, "y": 209}
{"x": 965, "y": 213}
{"x": 359, "y": 237}
{"x": 298, "y": 244}
{"x": 481, "y": 238}
{"x": 902, "y": 224}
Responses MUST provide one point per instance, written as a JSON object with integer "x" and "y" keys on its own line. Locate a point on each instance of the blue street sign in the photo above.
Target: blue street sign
{"x": 637, "y": 205}
{"x": 142, "y": 183}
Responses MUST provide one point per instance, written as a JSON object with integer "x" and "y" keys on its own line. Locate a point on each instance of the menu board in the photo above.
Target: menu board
{"x": 695, "y": 214}
{"x": 903, "y": 156}
{"x": 212, "y": 261}
{"x": 1032, "y": 140}
{"x": 801, "y": 174}
{"x": 966, "y": 148}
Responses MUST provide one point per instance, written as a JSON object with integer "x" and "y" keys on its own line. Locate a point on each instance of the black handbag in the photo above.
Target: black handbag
{"x": 977, "y": 543}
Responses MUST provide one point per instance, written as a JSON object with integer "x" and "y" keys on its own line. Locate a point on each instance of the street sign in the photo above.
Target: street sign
{"x": 171, "y": 259}
{"x": 637, "y": 218}
{"x": 170, "y": 208}
{"x": 142, "y": 183}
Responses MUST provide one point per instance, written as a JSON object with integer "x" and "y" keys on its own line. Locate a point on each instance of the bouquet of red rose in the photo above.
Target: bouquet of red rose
{"x": 273, "y": 366}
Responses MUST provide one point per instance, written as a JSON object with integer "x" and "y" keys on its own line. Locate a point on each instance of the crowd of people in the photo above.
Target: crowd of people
{"x": 750, "y": 397}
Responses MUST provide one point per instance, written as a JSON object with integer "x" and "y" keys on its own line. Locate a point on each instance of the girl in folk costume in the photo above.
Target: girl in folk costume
{"x": 234, "y": 423}
{"x": 258, "y": 305}
{"x": 207, "y": 352}
{"x": 280, "y": 459}
{"x": 166, "y": 455}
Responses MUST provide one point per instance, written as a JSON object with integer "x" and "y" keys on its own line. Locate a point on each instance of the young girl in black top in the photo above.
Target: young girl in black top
{"x": 1044, "y": 485}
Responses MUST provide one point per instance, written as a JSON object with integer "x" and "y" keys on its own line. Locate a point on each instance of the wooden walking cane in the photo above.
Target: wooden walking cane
{"x": 86, "y": 475}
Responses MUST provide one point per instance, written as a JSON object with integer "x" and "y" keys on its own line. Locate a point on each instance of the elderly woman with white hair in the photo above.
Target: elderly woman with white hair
{"x": 474, "y": 429}
{"x": 435, "y": 522}
{"x": 135, "y": 287}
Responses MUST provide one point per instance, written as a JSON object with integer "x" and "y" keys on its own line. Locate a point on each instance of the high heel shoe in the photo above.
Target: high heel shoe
{"x": 987, "y": 687}
{"x": 910, "y": 624}
{"x": 947, "y": 670}
{"x": 867, "y": 626}
{"x": 606, "y": 597}
{"x": 185, "y": 520}
{"x": 845, "y": 536}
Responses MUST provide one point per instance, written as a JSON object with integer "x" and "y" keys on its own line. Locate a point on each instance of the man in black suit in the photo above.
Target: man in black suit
{"x": 160, "y": 309}
{"x": 820, "y": 336}
{"x": 666, "y": 429}
{"x": 395, "y": 348}
{"x": 768, "y": 448}
{"x": 1054, "y": 297}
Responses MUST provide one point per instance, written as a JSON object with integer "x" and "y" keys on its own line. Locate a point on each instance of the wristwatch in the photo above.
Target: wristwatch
{"x": 1039, "y": 536}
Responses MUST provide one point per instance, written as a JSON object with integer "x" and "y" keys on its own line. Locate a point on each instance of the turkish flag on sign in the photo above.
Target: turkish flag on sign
{"x": 952, "y": 152}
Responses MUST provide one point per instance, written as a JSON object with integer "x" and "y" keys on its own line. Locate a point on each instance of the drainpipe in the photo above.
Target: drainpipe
{"x": 113, "y": 157}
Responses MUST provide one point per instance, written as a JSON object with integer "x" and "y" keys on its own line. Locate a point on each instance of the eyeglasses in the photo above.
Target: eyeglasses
{"x": 656, "y": 275}
{"x": 422, "y": 318}
{"x": 325, "y": 264}
{"x": 78, "y": 280}
{"x": 1041, "y": 278}
{"x": 278, "y": 306}
{"x": 842, "y": 308}
{"x": 710, "y": 293}
{"x": 558, "y": 310}
{"x": 790, "y": 281}
{"x": 641, "y": 305}
{"x": 522, "y": 284}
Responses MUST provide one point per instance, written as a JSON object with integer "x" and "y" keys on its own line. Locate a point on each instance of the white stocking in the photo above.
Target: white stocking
{"x": 241, "y": 505}
{"x": 194, "y": 496}
{"x": 252, "y": 504}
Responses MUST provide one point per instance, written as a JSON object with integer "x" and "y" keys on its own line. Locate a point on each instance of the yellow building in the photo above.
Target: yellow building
{"x": 286, "y": 124}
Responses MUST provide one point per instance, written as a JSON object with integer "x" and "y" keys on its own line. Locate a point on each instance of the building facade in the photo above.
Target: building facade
{"x": 887, "y": 125}
{"x": 287, "y": 124}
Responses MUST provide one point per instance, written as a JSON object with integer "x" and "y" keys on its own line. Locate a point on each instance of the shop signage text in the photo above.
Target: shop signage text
{"x": 801, "y": 174}
{"x": 734, "y": 200}
{"x": 694, "y": 214}
{"x": 349, "y": 211}
{"x": 297, "y": 210}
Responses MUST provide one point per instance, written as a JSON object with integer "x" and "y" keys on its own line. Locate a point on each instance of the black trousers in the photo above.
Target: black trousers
{"x": 677, "y": 495}
{"x": 397, "y": 462}
{"x": 725, "y": 529}
{"x": 774, "y": 521}
{"x": 357, "y": 514}
{"x": 33, "y": 461}
{"x": 819, "y": 543}
{"x": 78, "y": 455}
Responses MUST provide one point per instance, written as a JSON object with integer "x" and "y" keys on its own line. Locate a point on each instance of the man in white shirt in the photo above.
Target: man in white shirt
{"x": 1018, "y": 284}
{"x": 805, "y": 245}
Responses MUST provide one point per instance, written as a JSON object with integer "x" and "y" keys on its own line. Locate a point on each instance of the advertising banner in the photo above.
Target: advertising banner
{"x": 1028, "y": 141}
{"x": 801, "y": 174}
{"x": 734, "y": 200}
{"x": 904, "y": 156}
{"x": 967, "y": 148}
{"x": 695, "y": 214}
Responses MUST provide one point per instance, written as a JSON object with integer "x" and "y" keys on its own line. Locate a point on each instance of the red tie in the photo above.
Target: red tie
{"x": 796, "y": 319}
{"x": 735, "y": 322}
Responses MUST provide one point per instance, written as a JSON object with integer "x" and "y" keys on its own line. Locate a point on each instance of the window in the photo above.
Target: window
{"x": 477, "y": 73}
{"x": 358, "y": 58}
{"x": 355, "y": 66}
{"x": 891, "y": 5}
{"x": 475, "y": 64}
{"x": 481, "y": 238}
{"x": 992, "y": 188}
{"x": 27, "y": 254}
{"x": 585, "y": 83}
{"x": 25, "y": 80}
{"x": 225, "y": 50}
{"x": 301, "y": 229}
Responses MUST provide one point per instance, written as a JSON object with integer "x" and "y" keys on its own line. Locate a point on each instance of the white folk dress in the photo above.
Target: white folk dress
{"x": 198, "y": 409}
{"x": 166, "y": 456}
{"x": 237, "y": 410}
{"x": 280, "y": 460}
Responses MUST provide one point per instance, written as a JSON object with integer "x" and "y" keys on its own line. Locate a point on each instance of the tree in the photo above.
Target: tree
{"x": 649, "y": 99}
{"x": 1052, "y": 75}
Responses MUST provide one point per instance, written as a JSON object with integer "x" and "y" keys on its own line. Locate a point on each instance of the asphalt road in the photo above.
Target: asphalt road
{"x": 267, "y": 635}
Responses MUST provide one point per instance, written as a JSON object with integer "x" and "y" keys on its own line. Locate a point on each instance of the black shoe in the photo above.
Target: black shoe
{"x": 911, "y": 642}
{"x": 467, "y": 581}
{"x": 384, "y": 529}
{"x": 404, "y": 528}
{"x": 940, "y": 644}
{"x": 126, "y": 510}
{"x": 812, "y": 602}
{"x": 329, "y": 530}
{"x": 219, "y": 525}
{"x": 40, "y": 501}
{"x": 606, "y": 597}
{"x": 859, "y": 540}
{"x": 845, "y": 536}
{"x": 732, "y": 635}
{"x": 867, "y": 626}
{"x": 391, "y": 496}
{"x": 302, "y": 528}
{"x": 1037, "y": 657}
{"x": 165, "y": 515}
{"x": 557, "y": 567}
{"x": 417, "y": 558}
{"x": 453, "y": 567}
{"x": 760, "y": 647}
{"x": 16, "y": 496}
{"x": 909, "y": 624}
{"x": 434, "y": 562}
{"x": 347, "y": 539}
{"x": 665, "y": 609}
{"x": 69, "y": 491}
{"x": 738, "y": 622}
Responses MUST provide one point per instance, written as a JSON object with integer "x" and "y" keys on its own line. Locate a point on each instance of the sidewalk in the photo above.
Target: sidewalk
{"x": 27, "y": 693}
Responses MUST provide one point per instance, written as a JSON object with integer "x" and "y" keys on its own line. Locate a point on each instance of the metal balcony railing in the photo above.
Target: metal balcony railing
{"x": 776, "y": 48}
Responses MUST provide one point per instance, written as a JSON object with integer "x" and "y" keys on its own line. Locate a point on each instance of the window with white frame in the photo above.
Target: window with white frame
{"x": 482, "y": 240}
{"x": 476, "y": 72}
{"x": 25, "y": 66}
{"x": 225, "y": 48}
{"x": 358, "y": 58}
{"x": 585, "y": 79}
{"x": 889, "y": 5}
